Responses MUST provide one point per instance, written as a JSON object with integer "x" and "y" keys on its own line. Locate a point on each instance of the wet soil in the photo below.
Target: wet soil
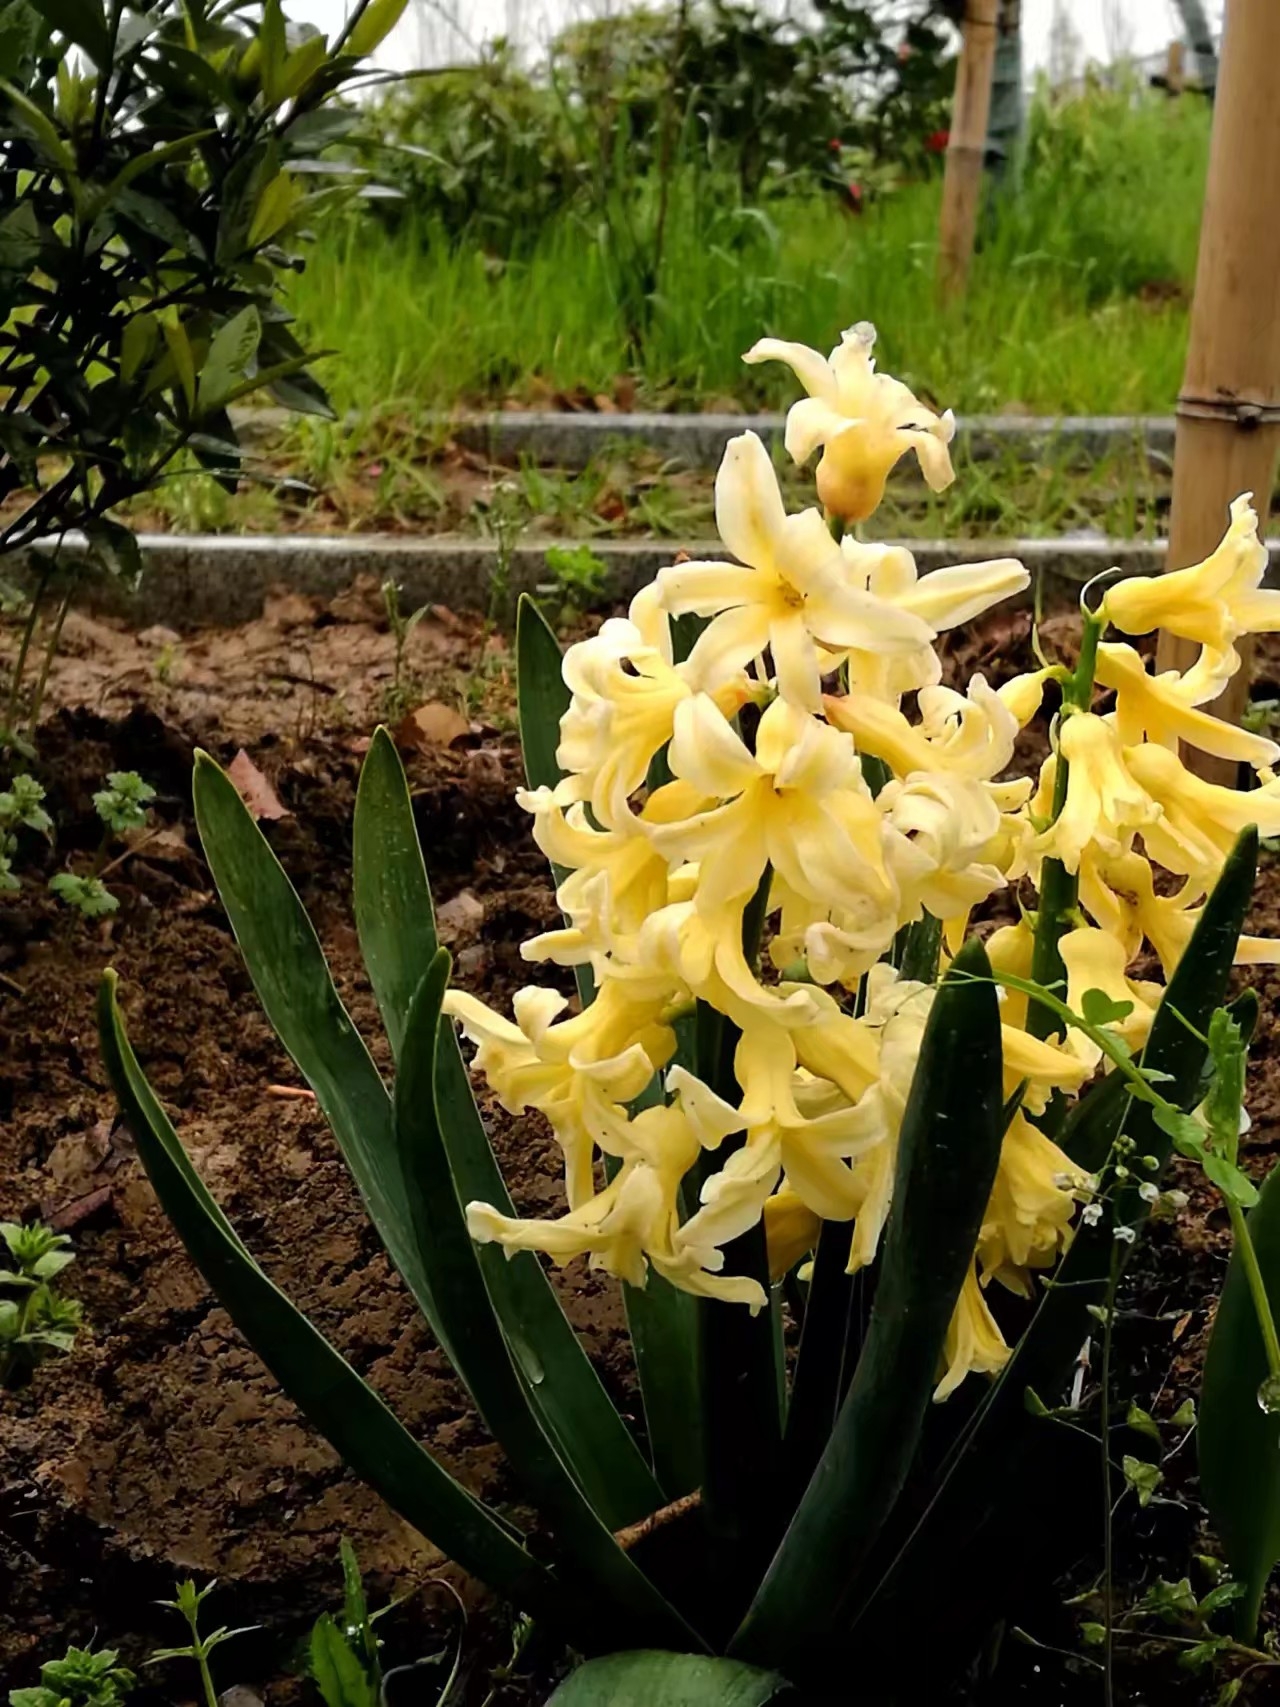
{"x": 160, "y": 1448}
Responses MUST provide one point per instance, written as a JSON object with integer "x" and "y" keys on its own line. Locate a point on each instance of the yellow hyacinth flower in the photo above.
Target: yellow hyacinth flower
{"x": 1097, "y": 960}
{"x": 1163, "y": 708}
{"x": 625, "y": 690}
{"x": 974, "y": 1343}
{"x": 634, "y": 1223}
{"x": 798, "y": 803}
{"x": 790, "y": 590}
{"x": 1028, "y": 1218}
{"x": 1104, "y": 801}
{"x": 1196, "y": 823}
{"x": 865, "y": 421}
{"x": 1213, "y": 602}
{"x": 578, "y": 1073}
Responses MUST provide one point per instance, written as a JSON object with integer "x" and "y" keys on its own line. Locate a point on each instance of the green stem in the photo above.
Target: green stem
{"x": 24, "y": 648}
{"x": 1108, "y": 1548}
{"x": 206, "y": 1676}
{"x": 1059, "y": 888}
{"x": 1257, "y": 1286}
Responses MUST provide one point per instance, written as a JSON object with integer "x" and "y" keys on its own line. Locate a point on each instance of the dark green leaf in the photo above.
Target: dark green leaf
{"x": 652, "y": 1679}
{"x": 336, "y": 1669}
{"x": 347, "y": 1412}
{"x": 397, "y": 937}
{"x": 116, "y": 548}
{"x": 1237, "y": 1440}
{"x": 952, "y": 1131}
{"x": 480, "y": 1353}
{"x": 394, "y": 915}
{"x": 287, "y": 966}
{"x": 82, "y": 22}
{"x": 230, "y": 357}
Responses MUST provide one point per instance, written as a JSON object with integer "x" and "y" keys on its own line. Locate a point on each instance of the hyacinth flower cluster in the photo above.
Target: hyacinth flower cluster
{"x": 791, "y": 822}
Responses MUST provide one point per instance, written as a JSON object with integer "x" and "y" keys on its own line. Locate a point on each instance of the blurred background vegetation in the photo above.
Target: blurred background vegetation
{"x": 622, "y": 215}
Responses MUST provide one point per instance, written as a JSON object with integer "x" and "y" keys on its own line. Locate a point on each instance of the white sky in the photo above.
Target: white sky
{"x": 432, "y": 31}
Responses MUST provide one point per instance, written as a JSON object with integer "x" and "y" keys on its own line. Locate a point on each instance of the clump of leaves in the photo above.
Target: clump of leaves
{"x": 81, "y": 1678}
{"x": 20, "y": 808}
{"x": 122, "y": 806}
{"x": 36, "y": 1321}
{"x": 579, "y": 578}
{"x": 187, "y": 1603}
{"x": 157, "y": 161}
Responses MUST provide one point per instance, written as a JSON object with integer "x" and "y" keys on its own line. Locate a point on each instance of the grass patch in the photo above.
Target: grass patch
{"x": 1078, "y": 300}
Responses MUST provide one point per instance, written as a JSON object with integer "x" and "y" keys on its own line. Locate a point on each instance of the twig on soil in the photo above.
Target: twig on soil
{"x": 634, "y": 1533}
{"x": 296, "y": 1093}
{"x": 137, "y": 847}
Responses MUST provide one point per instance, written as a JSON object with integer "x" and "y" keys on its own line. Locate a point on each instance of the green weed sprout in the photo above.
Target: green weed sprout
{"x": 38, "y": 1323}
{"x": 20, "y": 808}
{"x": 82, "y": 1678}
{"x": 122, "y": 806}
{"x": 187, "y": 1603}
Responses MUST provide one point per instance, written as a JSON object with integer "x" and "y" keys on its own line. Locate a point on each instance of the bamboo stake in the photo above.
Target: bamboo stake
{"x": 1228, "y": 434}
{"x": 966, "y": 149}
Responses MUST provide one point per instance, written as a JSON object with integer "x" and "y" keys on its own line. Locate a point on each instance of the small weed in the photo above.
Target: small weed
{"x": 402, "y": 693}
{"x": 39, "y": 1323}
{"x": 188, "y": 1602}
{"x": 81, "y": 1678}
{"x": 579, "y": 579}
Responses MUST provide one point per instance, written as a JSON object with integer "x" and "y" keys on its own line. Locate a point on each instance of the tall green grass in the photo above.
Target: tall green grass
{"x": 1077, "y": 302}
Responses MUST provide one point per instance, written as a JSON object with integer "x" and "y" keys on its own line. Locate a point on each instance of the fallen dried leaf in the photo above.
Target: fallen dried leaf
{"x": 72, "y": 1214}
{"x": 434, "y": 724}
{"x": 460, "y": 917}
{"x": 254, "y": 789}
{"x": 1181, "y": 1325}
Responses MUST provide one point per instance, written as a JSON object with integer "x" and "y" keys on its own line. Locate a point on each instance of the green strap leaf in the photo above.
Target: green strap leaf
{"x": 395, "y": 919}
{"x": 329, "y": 1393}
{"x": 662, "y": 1321}
{"x": 628, "y": 1603}
{"x": 994, "y": 1473}
{"x": 948, "y": 1150}
{"x": 397, "y": 936}
{"x": 1237, "y": 1440}
{"x": 653, "y": 1679}
{"x": 288, "y": 969}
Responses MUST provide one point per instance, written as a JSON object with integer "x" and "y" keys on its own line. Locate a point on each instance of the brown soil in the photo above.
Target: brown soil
{"x": 160, "y": 1447}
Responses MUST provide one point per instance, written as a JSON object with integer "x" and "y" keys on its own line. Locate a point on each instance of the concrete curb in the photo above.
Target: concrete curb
{"x": 200, "y": 580}
{"x": 565, "y": 439}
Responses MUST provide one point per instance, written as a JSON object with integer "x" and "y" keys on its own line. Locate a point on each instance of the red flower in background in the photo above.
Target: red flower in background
{"x": 937, "y": 140}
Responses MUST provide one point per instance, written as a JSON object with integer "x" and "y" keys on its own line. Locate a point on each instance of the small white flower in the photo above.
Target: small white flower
{"x": 1176, "y": 1199}
{"x": 1091, "y": 1214}
{"x": 1148, "y": 1192}
{"x": 1125, "y": 1235}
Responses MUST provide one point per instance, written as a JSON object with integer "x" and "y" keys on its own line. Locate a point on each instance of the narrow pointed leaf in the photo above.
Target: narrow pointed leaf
{"x": 947, "y": 1154}
{"x": 288, "y": 969}
{"x": 397, "y": 936}
{"x": 1238, "y": 1441}
{"x": 628, "y": 1602}
{"x": 653, "y": 1679}
{"x": 338, "y": 1403}
{"x": 395, "y": 919}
